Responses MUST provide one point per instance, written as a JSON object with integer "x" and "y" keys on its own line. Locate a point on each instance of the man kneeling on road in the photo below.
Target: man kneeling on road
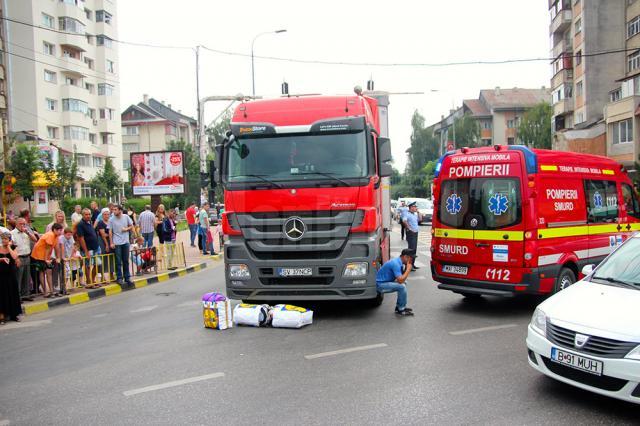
{"x": 391, "y": 279}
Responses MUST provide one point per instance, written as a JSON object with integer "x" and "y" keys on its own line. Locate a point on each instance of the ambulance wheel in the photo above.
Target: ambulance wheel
{"x": 566, "y": 277}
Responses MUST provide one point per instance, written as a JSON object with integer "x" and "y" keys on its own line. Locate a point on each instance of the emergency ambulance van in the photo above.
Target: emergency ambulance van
{"x": 510, "y": 220}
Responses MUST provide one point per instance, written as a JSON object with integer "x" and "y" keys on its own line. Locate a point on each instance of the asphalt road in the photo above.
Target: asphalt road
{"x": 143, "y": 357}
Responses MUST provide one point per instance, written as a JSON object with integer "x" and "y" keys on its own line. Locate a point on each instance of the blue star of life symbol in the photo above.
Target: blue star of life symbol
{"x": 597, "y": 200}
{"x": 498, "y": 204}
{"x": 454, "y": 204}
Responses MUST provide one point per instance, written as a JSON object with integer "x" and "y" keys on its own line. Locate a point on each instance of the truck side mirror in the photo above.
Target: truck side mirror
{"x": 384, "y": 157}
{"x": 216, "y": 165}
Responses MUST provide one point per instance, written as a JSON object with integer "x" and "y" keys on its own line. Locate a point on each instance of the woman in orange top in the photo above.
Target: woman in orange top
{"x": 41, "y": 255}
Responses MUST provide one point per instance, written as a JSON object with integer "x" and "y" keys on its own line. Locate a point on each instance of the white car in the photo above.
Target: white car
{"x": 588, "y": 335}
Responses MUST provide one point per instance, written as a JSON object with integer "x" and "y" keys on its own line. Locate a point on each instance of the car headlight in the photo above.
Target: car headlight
{"x": 539, "y": 321}
{"x": 355, "y": 269}
{"x": 634, "y": 354}
{"x": 239, "y": 272}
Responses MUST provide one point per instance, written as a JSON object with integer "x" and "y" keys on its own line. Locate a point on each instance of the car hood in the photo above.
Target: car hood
{"x": 592, "y": 308}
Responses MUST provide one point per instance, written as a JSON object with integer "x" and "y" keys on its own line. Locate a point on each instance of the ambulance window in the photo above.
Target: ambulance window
{"x": 499, "y": 202}
{"x": 630, "y": 201}
{"x": 602, "y": 199}
{"x": 454, "y": 202}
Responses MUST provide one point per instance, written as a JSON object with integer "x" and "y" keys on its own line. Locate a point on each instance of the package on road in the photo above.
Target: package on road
{"x": 216, "y": 311}
{"x": 289, "y": 316}
{"x": 253, "y": 315}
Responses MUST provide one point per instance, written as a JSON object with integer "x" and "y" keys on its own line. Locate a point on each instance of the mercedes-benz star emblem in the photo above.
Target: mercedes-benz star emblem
{"x": 294, "y": 229}
{"x": 474, "y": 222}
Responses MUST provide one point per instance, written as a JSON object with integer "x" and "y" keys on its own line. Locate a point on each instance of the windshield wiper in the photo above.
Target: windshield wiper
{"x": 616, "y": 281}
{"x": 329, "y": 175}
{"x": 262, "y": 178}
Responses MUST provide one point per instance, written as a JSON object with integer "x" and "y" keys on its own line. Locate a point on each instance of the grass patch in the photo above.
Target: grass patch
{"x": 40, "y": 222}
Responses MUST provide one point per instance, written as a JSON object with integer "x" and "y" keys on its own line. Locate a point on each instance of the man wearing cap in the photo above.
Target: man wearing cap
{"x": 391, "y": 279}
{"x": 402, "y": 212}
{"x": 410, "y": 221}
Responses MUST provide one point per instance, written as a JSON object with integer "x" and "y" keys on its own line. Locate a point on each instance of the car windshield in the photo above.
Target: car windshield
{"x": 298, "y": 157}
{"x": 424, "y": 205}
{"x": 622, "y": 266}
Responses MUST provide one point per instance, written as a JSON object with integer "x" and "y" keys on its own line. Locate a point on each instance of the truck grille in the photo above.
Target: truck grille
{"x": 599, "y": 346}
{"x": 296, "y": 280}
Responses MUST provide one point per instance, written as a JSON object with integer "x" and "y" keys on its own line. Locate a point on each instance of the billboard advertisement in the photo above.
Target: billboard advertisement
{"x": 158, "y": 173}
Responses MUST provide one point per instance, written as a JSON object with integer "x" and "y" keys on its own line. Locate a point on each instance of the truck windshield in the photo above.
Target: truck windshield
{"x": 295, "y": 157}
{"x": 493, "y": 203}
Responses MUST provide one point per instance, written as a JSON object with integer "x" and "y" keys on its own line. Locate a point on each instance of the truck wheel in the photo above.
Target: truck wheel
{"x": 566, "y": 277}
{"x": 375, "y": 302}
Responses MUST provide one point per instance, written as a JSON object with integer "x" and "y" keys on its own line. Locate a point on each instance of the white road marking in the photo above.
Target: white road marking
{"x": 100, "y": 315}
{"x": 346, "y": 351}
{"x": 190, "y": 304}
{"x": 5, "y": 422}
{"x": 172, "y": 384}
{"x": 479, "y": 330}
{"x": 24, "y": 324}
{"x": 144, "y": 309}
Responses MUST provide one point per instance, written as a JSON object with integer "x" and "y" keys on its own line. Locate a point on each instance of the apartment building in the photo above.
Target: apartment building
{"x": 3, "y": 98}
{"x": 580, "y": 80}
{"x": 62, "y": 65}
{"x": 622, "y": 111}
{"x": 150, "y": 125}
{"x": 498, "y": 112}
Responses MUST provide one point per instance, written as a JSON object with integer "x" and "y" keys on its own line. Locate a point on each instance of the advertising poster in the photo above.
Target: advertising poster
{"x": 157, "y": 173}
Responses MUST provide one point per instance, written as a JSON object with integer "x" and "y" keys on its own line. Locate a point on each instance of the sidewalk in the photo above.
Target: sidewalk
{"x": 195, "y": 261}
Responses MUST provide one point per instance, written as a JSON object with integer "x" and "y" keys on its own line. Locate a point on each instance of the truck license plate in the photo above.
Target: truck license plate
{"x": 576, "y": 361}
{"x": 295, "y": 272}
{"x": 453, "y": 269}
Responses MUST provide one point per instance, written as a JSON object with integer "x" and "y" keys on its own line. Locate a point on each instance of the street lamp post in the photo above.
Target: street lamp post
{"x": 253, "y": 78}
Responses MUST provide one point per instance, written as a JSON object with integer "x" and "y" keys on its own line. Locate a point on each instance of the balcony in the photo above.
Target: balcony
{"x": 565, "y": 76}
{"x": 561, "y": 22}
{"x": 71, "y": 11}
{"x": 563, "y": 107}
{"x": 564, "y": 46}
{"x": 74, "y": 92}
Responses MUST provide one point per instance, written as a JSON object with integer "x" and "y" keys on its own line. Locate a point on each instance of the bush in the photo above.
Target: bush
{"x": 68, "y": 204}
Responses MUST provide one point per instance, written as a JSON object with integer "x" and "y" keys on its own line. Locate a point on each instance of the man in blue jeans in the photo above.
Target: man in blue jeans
{"x": 391, "y": 279}
{"x": 119, "y": 227}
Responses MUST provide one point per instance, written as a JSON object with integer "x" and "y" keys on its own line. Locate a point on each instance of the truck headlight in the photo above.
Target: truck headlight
{"x": 355, "y": 269}
{"x": 634, "y": 354}
{"x": 239, "y": 272}
{"x": 539, "y": 321}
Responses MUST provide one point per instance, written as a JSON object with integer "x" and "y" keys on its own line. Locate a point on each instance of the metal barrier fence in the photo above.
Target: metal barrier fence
{"x": 171, "y": 256}
{"x": 143, "y": 261}
{"x": 89, "y": 271}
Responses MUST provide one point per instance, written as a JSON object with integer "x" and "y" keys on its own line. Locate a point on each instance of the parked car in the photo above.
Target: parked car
{"x": 588, "y": 335}
{"x": 425, "y": 208}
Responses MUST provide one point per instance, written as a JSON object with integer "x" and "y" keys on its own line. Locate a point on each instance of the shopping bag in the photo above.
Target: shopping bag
{"x": 289, "y": 316}
{"x": 252, "y": 315}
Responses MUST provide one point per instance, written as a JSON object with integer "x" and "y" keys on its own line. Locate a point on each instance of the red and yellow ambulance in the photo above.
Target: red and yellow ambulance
{"x": 509, "y": 219}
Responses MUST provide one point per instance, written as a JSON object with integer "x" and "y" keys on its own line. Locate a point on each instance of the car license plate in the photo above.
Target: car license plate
{"x": 576, "y": 361}
{"x": 453, "y": 269}
{"x": 295, "y": 272}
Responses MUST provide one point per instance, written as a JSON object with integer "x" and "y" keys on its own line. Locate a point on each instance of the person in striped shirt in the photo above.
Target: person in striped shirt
{"x": 147, "y": 223}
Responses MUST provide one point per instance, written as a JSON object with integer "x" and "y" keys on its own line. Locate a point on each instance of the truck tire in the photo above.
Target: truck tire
{"x": 375, "y": 302}
{"x": 565, "y": 278}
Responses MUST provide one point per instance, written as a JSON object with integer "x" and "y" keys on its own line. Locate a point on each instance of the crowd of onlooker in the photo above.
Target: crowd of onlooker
{"x": 43, "y": 264}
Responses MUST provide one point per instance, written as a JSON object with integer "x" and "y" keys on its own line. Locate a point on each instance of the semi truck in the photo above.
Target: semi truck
{"x": 306, "y": 193}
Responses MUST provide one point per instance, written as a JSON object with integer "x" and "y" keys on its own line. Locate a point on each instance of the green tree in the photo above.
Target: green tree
{"x": 467, "y": 131}
{"x": 535, "y": 127}
{"x": 24, "y": 163}
{"x": 217, "y": 132}
{"x": 428, "y": 171}
{"x": 192, "y": 171}
{"x": 424, "y": 148}
{"x": 107, "y": 182}
{"x": 62, "y": 177}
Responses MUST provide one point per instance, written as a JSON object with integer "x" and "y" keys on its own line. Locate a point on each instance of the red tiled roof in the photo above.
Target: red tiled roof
{"x": 514, "y": 98}
{"x": 476, "y": 107}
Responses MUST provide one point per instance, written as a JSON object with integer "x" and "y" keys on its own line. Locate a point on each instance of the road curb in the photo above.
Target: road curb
{"x": 109, "y": 290}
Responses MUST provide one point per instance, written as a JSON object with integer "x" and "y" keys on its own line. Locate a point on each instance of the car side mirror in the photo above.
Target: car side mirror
{"x": 588, "y": 269}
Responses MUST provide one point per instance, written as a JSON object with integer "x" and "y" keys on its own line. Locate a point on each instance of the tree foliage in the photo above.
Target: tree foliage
{"x": 424, "y": 148}
{"x": 467, "y": 131}
{"x": 216, "y": 133}
{"x": 62, "y": 178}
{"x": 535, "y": 127}
{"x": 24, "y": 163}
{"x": 192, "y": 171}
{"x": 107, "y": 182}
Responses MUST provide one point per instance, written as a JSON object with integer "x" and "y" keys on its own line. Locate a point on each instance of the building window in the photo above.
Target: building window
{"x": 170, "y": 129}
{"x": 579, "y": 88}
{"x": 578, "y": 57}
{"x": 130, "y": 147}
{"x": 510, "y": 124}
{"x": 52, "y": 132}
{"x": 111, "y": 66}
{"x": 107, "y": 113}
{"x": 88, "y": 14}
{"x": 103, "y": 16}
{"x": 486, "y": 125}
{"x": 48, "y": 48}
{"x": 75, "y": 105}
{"x": 615, "y": 95}
{"x": 107, "y": 138}
{"x": 48, "y": 21}
{"x": 563, "y": 92}
{"x": 89, "y": 63}
{"x": 70, "y": 52}
{"x": 633, "y": 61}
{"x": 70, "y": 81}
{"x": 103, "y": 40}
{"x": 71, "y": 25}
{"x": 622, "y": 131}
{"x": 91, "y": 112}
{"x": 579, "y": 117}
{"x": 93, "y": 139}
{"x": 105, "y": 89}
{"x": 130, "y": 131}
{"x": 76, "y": 132}
{"x": 98, "y": 162}
{"x": 578, "y": 26}
{"x": 50, "y": 76}
{"x": 633, "y": 27}
{"x": 89, "y": 39}
{"x": 83, "y": 160}
{"x": 51, "y": 104}
{"x": 511, "y": 141}
{"x": 90, "y": 87}
{"x": 85, "y": 189}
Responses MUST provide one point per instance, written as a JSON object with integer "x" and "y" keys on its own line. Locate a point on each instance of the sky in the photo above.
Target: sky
{"x": 370, "y": 31}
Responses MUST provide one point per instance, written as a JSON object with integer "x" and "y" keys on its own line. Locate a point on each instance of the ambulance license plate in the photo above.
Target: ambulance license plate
{"x": 295, "y": 272}
{"x": 576, "y": 361}
{"x": 454, "y": 269}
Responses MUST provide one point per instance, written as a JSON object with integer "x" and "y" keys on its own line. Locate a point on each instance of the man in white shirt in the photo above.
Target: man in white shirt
{"x": 76, "y": 216}
{"x": 22, "y": 237}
